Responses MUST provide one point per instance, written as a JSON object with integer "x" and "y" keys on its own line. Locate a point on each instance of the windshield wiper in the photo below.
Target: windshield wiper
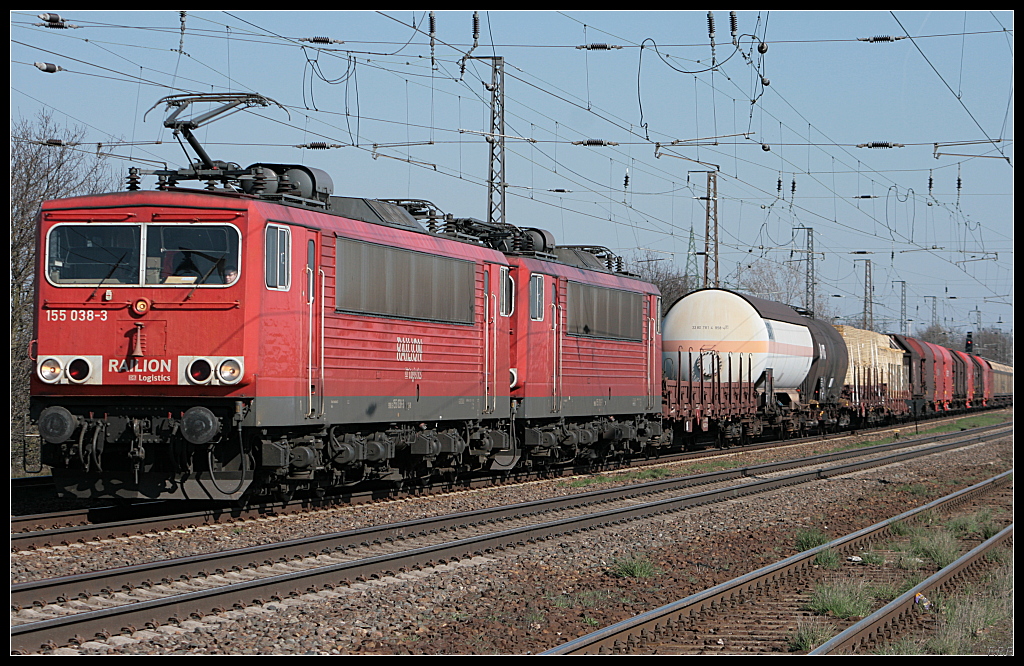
{"x": 117, "y": 264}
{"x": 218, "y": 262}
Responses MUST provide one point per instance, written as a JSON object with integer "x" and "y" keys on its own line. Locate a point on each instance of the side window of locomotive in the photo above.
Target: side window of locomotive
{"x": 507, "y": 293}
{"x": 604, "y": 313}
{"x": 385, "y": 281}
{"x": 191, "y": 254}
{"x": 537, "y": 297}
{"x": 79, "y": 254}
{"x": 310, "y": 270}
{"x": 278, "y": 257}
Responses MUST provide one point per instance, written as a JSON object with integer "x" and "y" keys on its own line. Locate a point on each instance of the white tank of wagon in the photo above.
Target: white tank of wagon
{"x": 709, "y": 331}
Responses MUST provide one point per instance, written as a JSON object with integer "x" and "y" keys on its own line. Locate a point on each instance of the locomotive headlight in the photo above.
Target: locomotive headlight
{"x": 230, "y": 371}
{"x": 79, "y": 370}
{"x": 141, "y": 306}
{"x": 200, "y": 371}
{"x": 49, "y": 370}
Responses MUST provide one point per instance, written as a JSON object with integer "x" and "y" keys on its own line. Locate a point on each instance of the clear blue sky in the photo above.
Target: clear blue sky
{"x": 397, "y": 107}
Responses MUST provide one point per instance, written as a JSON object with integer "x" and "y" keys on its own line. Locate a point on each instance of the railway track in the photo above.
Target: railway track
{"x": 96, "y": 523}
{"x": 177, "y": 589}
{"x": 761, "y": 611}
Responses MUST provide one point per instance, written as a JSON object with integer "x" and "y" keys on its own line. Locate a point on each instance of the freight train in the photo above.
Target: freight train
{"x": 263, "y": 336}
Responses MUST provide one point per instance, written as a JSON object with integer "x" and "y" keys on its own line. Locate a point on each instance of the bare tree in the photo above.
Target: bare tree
{"x": 46, "y": 163}
{"x": 782, "y": 282}
{"x": 664, "y": 275}
{"x": 994, "y": 344}
{"x": 937, "y": 335}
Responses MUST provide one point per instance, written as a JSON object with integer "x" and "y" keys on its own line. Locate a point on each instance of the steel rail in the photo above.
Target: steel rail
{"x": 873, "y": 629}
{"x": 622, "y": 635}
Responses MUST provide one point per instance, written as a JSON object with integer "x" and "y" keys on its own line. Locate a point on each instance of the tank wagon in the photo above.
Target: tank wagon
{"x": 747, "y": 364}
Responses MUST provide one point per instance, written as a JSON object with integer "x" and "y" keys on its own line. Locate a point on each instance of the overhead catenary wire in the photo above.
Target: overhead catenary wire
{"x": 623, "y": 144}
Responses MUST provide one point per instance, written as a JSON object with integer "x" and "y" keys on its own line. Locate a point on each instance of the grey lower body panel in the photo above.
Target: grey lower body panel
{"x": 589, "y": 406}
{"x": 152, "y": 485}
{"x": 269, "y": 412}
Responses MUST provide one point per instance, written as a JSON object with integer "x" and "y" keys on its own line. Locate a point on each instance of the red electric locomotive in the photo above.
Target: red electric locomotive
{"x": 263, "y": 336}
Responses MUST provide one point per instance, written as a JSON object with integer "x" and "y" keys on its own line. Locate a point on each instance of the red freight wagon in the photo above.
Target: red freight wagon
{"x": 982, "y": 384}
{"x": 963, "y": 379}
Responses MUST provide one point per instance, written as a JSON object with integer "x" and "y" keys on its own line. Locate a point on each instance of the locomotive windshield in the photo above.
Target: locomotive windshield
{"x": 149, "y": 254}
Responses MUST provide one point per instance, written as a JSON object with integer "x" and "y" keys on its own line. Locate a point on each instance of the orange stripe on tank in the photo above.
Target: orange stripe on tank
{"x": 739, "y": 347}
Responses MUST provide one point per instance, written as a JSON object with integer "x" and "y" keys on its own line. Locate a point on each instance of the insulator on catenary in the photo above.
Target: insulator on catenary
{"x": 55, "y": 21}
{"x": 733, "y": 23}
{"x": 598, "y": 47}
{"x": 594, "y": 142}
{"x": 880, "y": 144}
{"x": 48, "y": 67}
{"x": 711, "y": 25}
{"x": 318, "y": 145}
{"x": 625, "y": 182}
{"x": 880, "y": 38}
{"x": 476, "y": 26}
{"x": 321, "y": 40}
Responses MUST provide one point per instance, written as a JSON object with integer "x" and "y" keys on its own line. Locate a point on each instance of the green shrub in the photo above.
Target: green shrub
{"x": 634, "y": 566}
{"x": 810, "y": 633}
{"x": 842, "y": 599}
{"x": 810, "y": 538}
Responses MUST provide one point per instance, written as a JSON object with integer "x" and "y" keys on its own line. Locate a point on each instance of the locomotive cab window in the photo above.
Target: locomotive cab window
{"x": 81, "y": 254}
{"x": 165, "y": 255}
{"x": 190, "y": 254}
{"x": 278, "y": 257}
